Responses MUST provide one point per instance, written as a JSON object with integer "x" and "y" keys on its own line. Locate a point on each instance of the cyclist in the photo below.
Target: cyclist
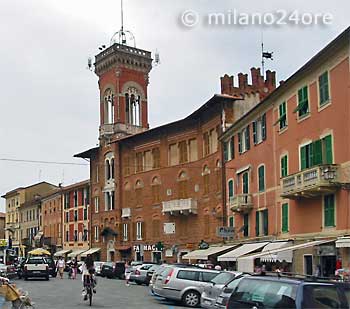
{"x": 88, "y": 270}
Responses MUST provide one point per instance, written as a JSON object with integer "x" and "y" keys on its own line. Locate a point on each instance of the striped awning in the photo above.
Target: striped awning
{"x": 75, "y": 253}
{"x": 205, "y": 253}
{"x": 62, "y": 252}
{"x": 90, "y": 251}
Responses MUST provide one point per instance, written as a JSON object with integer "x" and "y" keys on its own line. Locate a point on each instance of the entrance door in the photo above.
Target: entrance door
{"x": 308, "y": 264}
{"x": 111, "y": 256}
{"x": 245, "y": 183}
{"x": 157, "y": 257}
{"x": 328, "y": 265}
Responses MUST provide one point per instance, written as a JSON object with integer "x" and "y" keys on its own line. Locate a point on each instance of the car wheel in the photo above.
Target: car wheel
{"x": 191, "y": 299}
{"x": 47, "y": 278}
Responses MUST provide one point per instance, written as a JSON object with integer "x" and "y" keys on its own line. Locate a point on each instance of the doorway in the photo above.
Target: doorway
{"x": 157, "y": 257}
{"x": 328, "y": 265}
{"x": 308, "y": 265}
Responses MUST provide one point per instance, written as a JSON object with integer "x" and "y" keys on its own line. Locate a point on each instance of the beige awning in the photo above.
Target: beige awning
{"x": 273, "y": 257}
{"x": 242, "y": 250}
{"x": 205, "y": 253}
{"x": 75, "y": 253}
{"x": 62, "y": 252}
{"x": 343, "y": 242}
{"x": 90, "y": 251}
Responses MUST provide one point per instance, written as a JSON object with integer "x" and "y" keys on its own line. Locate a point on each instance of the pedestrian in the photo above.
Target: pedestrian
{"x": 60, "y": 266}
{"x": 127, "y": 273}
{"x": 74, "y": 268}
{"x": 217, "y": 267}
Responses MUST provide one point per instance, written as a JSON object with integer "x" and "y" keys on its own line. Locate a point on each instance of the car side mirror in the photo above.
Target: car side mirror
{"x": 228, "y": 290}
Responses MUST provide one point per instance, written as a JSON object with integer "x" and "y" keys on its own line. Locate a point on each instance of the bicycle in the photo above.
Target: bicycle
{"x": 89, "y": 285}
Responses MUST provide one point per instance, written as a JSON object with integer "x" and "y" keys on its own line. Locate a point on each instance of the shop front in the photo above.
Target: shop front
{"x": 148, "y": 252}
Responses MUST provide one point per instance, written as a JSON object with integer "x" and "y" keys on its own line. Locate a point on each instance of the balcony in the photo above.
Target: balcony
{"x": 126, "y": 212}
{"x": 311, "y": 182}
{"x": 120, "y": 129}
{"x": 241, "y": 203}
{"x": 183, "y": 206}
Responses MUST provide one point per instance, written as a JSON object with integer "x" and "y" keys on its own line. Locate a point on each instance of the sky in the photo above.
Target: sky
{"x": 49, "y": 101}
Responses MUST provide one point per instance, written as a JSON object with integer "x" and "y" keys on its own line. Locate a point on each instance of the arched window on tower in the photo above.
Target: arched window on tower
{"x": 108, "y": 107}
{"x": 133, "y": 107}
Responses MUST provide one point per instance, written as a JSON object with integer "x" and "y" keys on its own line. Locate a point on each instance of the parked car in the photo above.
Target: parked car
{"x": 52, "y": 266}
{"x": 107, "y": 270}
{"x": 282, "y": 292}
{"x": 36, "y": 266}
{"x": 183, "y": 284}
{"x": 211, "y": 292}
{"x": 119, "y": 270}
{"x": 98, "y": 267}
{"x": 139, "y": 274}
{"x": 8, "y": 271}
{"x": 223, "y": 298}
{"x": 150, "y": 273}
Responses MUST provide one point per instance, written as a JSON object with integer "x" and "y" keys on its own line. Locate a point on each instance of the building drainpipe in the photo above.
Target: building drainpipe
{"x": 275, "y": 171}
{"x": 223, "y": 181}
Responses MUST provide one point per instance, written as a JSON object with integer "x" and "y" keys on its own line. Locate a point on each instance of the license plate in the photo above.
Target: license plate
{"x": 219, "y": 300}
{"x": 36, "y": 271}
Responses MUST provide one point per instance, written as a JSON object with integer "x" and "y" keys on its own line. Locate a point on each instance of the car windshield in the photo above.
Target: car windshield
{"x": 36, "y": 261}
{"x": 269, "y": 294}
{"x": 222, "y": 278}
{"x": 108, "y": 264}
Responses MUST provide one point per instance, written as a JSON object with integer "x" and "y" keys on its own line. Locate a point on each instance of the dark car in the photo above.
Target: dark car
{"x": 113, "y": 270}
{"x": 52, "y": 266}
{"x": 20, "y": 268}
{"x": 282, "y": 292}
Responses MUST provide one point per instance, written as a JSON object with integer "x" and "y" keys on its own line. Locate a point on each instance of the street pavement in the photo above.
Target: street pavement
{"x": 111, "y": 293}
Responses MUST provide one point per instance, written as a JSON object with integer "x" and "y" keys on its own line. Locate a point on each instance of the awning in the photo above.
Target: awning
{"x": 242, "y": 250}
{"x": 90, "y": 251}
{"x": 123, "y": 248}
{"x": 62, "y": 252}
{"x": 38, "y": 235}
{"x": 75, "y": 253}
{"x": 273, "y": 257}
{"x": 248, "y": 261}
{"x": 343, "y": 242}
{"x": 205, "y": 253}
{"x": 243, "y": 169}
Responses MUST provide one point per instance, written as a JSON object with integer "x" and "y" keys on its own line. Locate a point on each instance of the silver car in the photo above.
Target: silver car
{"x": 183, "y": 284}
{"x": 139, "y": 273}
{"x": 212, "y": 292}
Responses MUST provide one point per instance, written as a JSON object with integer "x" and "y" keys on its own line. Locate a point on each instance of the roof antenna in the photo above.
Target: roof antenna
{"x": 264, "y": 54}
{"x": 122, "y": 36}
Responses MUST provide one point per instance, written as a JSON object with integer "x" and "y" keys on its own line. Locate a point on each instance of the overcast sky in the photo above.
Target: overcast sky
{"x": 49, "y": 101}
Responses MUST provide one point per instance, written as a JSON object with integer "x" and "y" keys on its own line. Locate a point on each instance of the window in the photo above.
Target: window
{"x": 85, "y": 213}
{"x": 107, "y": 201}
{"x": 244, "y": 140}
{"x": 245, "y": 188}
{"x": 329, "y": 211}
{"x": 259, "y": 129}
{"x": 156, "y": 157}
{"x": 133, "y": 107}
{"x": 303, "y": 102}
{"x": 193, "y": 155}
{"x": 206, "y": 174}
{"x": 66, "y": 201}
{"x": 188, "y": 275}
{"x": 96, "y": 179}
{"x": 75, "y": 215}
{"x": 97, "y": 236}
{"x": 139, "y": 162}
{"x": 126, "y": 166}
{"x": 155, "y": 190}
{"x": 284, "y": 166}
{"x": 97, "y": 204}
{"x": 285, "y": 219}
{"x": 67, "y": 216}
{"x": 282, "y": 116}
{"x": 112, "y": 201}
{"x": 138, "y": 230}
{"x": 85, "y": 235}
{"x": 75, "y": 198}
{"x": 75, "y": 235}
{"x": 125, "y": 231}
{"x": 261, "y": 223}
{"x": 306, "y": 158}
{"x": 207, "y": 276}
{"x": 206, "y": 150}
{"x": 231, "y": 221}
{"x": 229, "y": 149}
{"x": 323, "y": 88}
{"x": 230, "y": 189}
{"x": 108, "y": 107}
{"x": 246, "y": 225}
{"x": 261, "y": 175}
{"x": 183, "y": 152}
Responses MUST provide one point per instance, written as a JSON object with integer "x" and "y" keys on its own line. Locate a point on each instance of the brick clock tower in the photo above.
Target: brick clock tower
{"x": 123, "y": 73}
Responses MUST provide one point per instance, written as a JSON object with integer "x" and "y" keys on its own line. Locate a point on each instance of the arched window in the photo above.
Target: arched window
{"x": 108, "y": 100}
{"x": 107, "y": 170}
{"x": 205, "y": 174}
{"x": 109, "y": 166}
{"x": 231, "y": 191}
{"x": 182, "y": 186}
{"x": 133, "y": 106}
{"x": 156, "y": 198}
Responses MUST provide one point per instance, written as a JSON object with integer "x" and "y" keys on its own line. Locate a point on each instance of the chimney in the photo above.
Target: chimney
{"x": 270, "y": 79}
{"x": 255, "y": 76}
{"x": 242, "y": 81}
{"x": 226, "y": 84}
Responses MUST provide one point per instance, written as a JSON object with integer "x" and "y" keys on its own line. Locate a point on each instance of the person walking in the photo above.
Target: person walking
{"x": 127, "y": 273}
{"x": 74, "y": 268}
{"x": 60, "y": 266}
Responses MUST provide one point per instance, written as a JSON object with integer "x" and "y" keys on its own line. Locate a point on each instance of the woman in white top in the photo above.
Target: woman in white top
{"x": 60, "y": 266}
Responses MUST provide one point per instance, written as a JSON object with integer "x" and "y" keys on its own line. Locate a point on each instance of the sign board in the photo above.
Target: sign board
{"x": 169, "y": 228}
{"x": 225, "y": 231}
{"x": 168, "y": 253}
{"x": 326, "y": 250}
{"x": 3, "y": 242}
{"x": 142, "y": 248}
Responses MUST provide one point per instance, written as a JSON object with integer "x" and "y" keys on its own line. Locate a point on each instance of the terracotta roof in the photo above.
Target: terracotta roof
{"x": 76, "y": 185}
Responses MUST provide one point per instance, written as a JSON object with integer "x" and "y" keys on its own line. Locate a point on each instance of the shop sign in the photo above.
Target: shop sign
{"x": 225, "y": 231}
{"x": 138, "y": 248}
{"x": 168, "y": 253}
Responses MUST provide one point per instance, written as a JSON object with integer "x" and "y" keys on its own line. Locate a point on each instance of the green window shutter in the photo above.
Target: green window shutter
{"x": 284, "y": 166}
{"x": 317, "y": 152}
{"x": 285, "y": 218}
{"x": 246, "y": 225}
{"x": 247, "y": 138}
{"x": 257, "y": 223}
{"x": 263, "y": 127}
{"x": 266, "y": 221}
{"x": 303, "y": 157}
{"x": 303, "y": 104}
{"x": 245, "y": 183}
{"x": 232, "y": 147}
{"x": 323, "y": 88}
{"x": 261, "y": 173}
{"x": 230, "y": 188}
{"x": 225, "y": 151}
{"x": 232, "y": 222}
{"x": 255, "y": 139}
{"x": 240, "y": 142}
{"x": 327, "y": 146}
{"x": 329, "y": 218}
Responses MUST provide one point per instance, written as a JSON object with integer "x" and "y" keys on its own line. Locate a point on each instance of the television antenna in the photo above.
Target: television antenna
{"x": 264, "y": 55}
{"x": 122, "y": 36}
{"x": 156, "y": 60}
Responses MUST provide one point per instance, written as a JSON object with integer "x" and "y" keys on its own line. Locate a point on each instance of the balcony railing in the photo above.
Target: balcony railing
{"x": 126, "y": 212}
{"x": 241, "y": 203}
{"x": 182, "y": 206}
{"x": 311, "y": 182}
